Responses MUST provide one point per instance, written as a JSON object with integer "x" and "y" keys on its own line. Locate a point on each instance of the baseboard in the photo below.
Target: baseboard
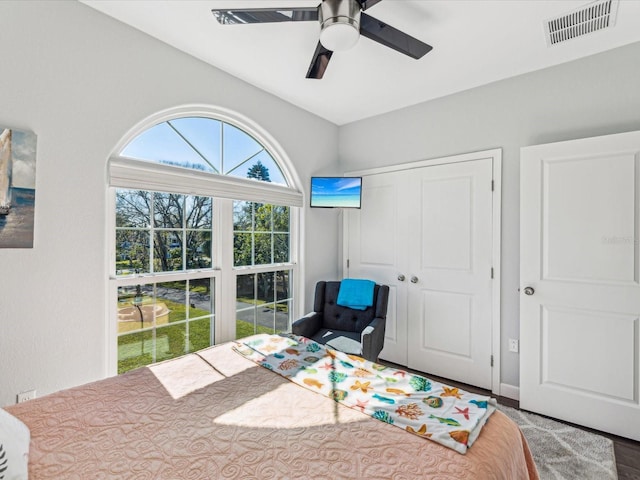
{"x": 510, "y": 391}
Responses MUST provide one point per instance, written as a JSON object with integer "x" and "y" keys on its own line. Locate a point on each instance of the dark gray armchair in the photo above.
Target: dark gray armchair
{"x": 359, "y": 332}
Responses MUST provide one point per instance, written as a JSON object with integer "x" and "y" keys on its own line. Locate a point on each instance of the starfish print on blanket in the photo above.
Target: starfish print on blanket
{"x": 364, "y": 386}
{"x": 450, "y": 392}
{"x": 462, "y": 411}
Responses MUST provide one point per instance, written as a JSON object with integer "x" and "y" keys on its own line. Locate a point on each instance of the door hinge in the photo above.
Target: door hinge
{"x": 493, "y": 185}
{"x": 492, "y": 360}
{"x": 347, "y": 263}
{"x": 492, "y": 272}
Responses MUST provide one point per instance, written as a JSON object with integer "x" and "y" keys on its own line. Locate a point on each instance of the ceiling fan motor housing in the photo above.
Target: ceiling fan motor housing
{"x": 339, "y": 24}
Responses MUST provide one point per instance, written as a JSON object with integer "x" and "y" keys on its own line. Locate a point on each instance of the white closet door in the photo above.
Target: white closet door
{"x": 450, "y": 288}
{"x": 580, "y": 281}
{"x": 432, "y": 225}
{"x": 375, "y": 249}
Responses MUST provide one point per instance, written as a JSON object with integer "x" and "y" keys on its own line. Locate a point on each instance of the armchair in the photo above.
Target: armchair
{"x": 359, "y": 332}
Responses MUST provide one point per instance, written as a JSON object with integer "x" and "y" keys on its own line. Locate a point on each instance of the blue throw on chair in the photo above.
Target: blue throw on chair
{"x": 356, "y": 293}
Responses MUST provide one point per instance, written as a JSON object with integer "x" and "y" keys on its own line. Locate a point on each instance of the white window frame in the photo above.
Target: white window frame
{"x": 128, "y": 173}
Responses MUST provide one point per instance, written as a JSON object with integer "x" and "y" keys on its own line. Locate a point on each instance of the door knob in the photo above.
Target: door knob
{"x": 414, "y": 279}
{"x": 529, "y": 291}
{"x": 401, "y": 277}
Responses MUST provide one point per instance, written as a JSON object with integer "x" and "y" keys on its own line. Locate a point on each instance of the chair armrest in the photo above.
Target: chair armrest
{"x": 372, "y": 339}
{"x": 308, "y": 325}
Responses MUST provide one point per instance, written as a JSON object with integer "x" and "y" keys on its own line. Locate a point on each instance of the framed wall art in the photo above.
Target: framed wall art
{"x": 17, "y": 187}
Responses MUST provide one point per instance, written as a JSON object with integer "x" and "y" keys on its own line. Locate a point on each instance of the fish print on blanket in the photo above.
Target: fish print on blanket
{"x": 423, "y": 407}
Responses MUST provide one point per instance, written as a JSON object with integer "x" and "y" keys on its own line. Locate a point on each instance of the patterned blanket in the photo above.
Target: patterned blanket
{"x": 447, "y": 415}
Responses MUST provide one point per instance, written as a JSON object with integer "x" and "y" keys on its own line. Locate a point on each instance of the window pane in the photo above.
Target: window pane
{"x": 283, "y": 291}
{"x": 170, "y": 341}
{"x": 203, "y": 135}
{"x": 167, "y": 251}
{"x": 261, "y": 167}
{"x": 199, "y": 334}
{"x": 282, "y": 316}
{"x": 263, "y": 249}
{"x": 198, "y": 249}
{"x": 135, "y": 350}
{"x": 265, "y": 284}
{"x": 132, "y": 252}
{"x": 162, "y": 144}
{"x": 245, "y": 306}
{"x": 262, "y": 217}
{"x": 265, "y": 307}
{"x": 198, "y": 212}
{"x": 242, "y": 216}
{"x": 200, "y": 306}
{"x": 238, "y": 148}
{"x": 280, "y": 219}
{"x": 200, "y": 298}
{"x": 168, "y": 210}
{"x": 280, "y": 248}
{"x": 245, "y": 287}
{"x": 173, "y": 295}
{"x": 132, "y": 208}
{"x": 242, "y": 249}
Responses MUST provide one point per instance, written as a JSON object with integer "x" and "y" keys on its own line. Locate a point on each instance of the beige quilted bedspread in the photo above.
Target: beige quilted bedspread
{"x": 215, "y": 415}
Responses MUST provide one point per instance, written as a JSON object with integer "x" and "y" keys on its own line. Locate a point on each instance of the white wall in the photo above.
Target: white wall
{"x": 593, "y": 96}
{"x": 80, "y": 80}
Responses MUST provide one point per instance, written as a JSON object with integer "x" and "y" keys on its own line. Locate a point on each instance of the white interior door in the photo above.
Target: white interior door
{"x": 450, "y": 289}
{"x": 580, "y": 281}
{"x": 374, "y": 248}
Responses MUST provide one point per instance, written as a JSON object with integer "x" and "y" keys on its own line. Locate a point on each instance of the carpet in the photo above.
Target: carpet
{"x": 562, "y": 452}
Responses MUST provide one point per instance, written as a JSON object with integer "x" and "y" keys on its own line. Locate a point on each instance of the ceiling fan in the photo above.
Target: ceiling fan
{"x": 341, "y": 24}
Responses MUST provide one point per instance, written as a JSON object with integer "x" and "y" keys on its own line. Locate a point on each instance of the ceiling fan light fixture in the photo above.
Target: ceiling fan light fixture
{"x": 339, "y": 24}
{"x": 339, "y": 36}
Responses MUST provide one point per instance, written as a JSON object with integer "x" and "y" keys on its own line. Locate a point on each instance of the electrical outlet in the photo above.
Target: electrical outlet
{"x": 513, "y": 345}
{"x": 28, "y": 395}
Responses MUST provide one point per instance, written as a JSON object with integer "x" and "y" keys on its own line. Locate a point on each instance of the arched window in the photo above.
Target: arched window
{"x": 205, "y": 236}
{"x": 208, "y": 145}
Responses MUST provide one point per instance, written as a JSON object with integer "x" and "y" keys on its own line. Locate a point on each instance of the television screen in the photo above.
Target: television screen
{"x": 336, "y": 192}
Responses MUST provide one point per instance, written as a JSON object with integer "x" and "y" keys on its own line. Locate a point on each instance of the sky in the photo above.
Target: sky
{"x": 23, "y": 152}
{"x": 192, "y": 140}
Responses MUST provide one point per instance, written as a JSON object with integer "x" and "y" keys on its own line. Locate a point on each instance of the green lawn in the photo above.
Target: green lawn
{"x": 136, "y": 349}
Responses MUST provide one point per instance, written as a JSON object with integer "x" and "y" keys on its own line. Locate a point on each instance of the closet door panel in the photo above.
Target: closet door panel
{"x": 450, "y": 289}
{"x": 375, "y": 239}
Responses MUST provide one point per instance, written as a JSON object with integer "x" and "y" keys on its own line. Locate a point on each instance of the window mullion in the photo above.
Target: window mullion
{"x": 152, "y": 233}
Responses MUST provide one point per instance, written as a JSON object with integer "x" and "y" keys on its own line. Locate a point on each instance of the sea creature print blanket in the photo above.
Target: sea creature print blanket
{"x": 423, "y": 407}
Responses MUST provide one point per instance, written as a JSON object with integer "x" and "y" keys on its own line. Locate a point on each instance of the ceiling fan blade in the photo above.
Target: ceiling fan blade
{"x": 265, "y": 15}
{"x": 364, "y": 4}
{"x": 391, "y": 37}
{"x": 319, "y": 62}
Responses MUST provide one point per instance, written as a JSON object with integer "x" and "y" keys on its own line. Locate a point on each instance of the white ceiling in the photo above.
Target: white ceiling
{"x": 475, "y": 42}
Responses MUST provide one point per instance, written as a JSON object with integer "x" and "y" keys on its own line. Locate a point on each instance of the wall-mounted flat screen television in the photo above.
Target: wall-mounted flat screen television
{"x": 336, "y": 192}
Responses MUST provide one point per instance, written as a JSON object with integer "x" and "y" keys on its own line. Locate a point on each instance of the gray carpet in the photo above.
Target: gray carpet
{"x": 562, "y": 452}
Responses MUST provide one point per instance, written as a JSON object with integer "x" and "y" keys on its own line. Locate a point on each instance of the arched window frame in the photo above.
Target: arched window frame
{"x": 129, "y": 173}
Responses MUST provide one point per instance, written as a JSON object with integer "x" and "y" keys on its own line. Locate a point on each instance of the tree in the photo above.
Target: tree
{"x": 259, "y": 172}
{"x": 137, "y": 210}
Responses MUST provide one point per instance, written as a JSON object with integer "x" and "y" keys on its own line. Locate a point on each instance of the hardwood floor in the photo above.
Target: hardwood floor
{"x": 627, "y": 451}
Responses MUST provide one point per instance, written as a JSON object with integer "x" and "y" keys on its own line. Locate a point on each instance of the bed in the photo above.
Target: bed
{"x": 217, "y": 414}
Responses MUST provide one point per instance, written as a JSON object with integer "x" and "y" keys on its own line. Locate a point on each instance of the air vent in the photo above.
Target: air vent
{"x": 595, "y": 16}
